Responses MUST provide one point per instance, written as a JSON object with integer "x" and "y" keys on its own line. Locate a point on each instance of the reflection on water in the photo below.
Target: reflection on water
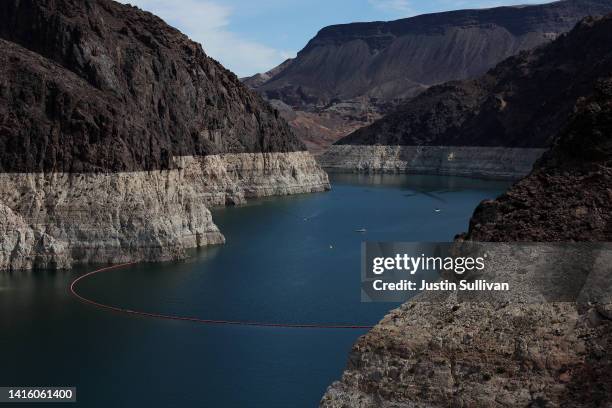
{"x": 291, "y": 259}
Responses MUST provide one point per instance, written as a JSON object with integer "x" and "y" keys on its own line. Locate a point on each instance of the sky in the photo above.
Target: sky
{"x": 251, "y": 36}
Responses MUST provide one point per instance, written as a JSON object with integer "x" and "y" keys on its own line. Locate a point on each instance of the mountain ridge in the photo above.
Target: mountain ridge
{"x": 350, "y": 75}
{"x": 522, "y": 102}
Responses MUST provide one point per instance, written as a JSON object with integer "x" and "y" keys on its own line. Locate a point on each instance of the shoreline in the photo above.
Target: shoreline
{"x": 487, "y": 163}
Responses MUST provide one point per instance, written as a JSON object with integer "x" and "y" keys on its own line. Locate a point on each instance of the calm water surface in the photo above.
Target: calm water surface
{"x": 287, "y": 260}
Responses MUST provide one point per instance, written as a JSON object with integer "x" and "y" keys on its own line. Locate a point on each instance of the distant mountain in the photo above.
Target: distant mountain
{"x": 258, "y": 80}
{"x": 355, "y": 73}
{"x": 523, "y": 102}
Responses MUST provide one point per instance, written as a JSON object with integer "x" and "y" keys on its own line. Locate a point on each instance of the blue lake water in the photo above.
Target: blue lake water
{"x": 287, "y": 260}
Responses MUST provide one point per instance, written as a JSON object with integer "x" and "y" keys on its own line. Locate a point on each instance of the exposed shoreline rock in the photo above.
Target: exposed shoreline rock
{"x": 117, "y": 133}
{"x": 350, "y": 75}
{"x": 56, "y": 220}
{"x": 480, "y": 162}
{"x": 525, "y": 101}
{"x": 510, "y": 354}
{"x": 425, "y": 355}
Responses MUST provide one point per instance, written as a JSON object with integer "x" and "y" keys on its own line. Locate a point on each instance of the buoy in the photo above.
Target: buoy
{"x": 73, "y": 290}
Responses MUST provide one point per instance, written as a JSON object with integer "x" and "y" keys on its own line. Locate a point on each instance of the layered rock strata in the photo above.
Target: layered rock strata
{"x": 53, "y": 220}
{"x": 524, "y": 102}
{"x": 350, "y": 75}
{"x": 484, "y": 162}
{"x": 431, "y": 353}
{"x": 117, "y": 133}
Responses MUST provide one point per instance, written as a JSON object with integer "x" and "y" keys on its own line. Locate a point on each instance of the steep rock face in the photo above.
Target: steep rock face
{"x": 508, "y": 354}
{"x": 355, "y": 73}
{"x": 21, "y": 247}
{"x": 132, "y": 216}
{"x": 111, "y": 87}
{"x": 523, "y": 102}
{"x": 469, "y": 161}
{"x": 568, "y": 196}
{"x": 117, "y": 133}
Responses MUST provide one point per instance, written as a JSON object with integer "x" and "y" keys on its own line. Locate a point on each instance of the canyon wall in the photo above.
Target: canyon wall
{"x": 54, "y": 220}
{"x": 498, "y": 353}
{"x": 522, "y": 103}
{"x": 118, "y": 133}
{"x": 350, "y": 75}
{"x": 484, "y": 162}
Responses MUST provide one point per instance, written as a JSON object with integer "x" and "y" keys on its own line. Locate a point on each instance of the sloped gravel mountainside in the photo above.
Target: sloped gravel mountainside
{"x": 117, "y": 133}
{"x": 429, "y": 353}
{"x": 523, "y": 102}
{"x": 349, "y": 75}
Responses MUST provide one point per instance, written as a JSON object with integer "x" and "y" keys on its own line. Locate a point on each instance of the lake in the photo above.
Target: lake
{"x": 292, "y": 260}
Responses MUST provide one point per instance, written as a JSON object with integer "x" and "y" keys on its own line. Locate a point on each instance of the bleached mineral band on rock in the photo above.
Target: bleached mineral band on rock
{"x": 486, "y": 162}
{"x": 55, "y": 220}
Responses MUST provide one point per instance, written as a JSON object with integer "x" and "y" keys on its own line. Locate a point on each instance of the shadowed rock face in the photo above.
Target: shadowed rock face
{"x": 94, "y": 95}
{"x": 523, "y": 102}
{"x": 94, "y": 85}
{"x": 355, "y": 73}
{"x": 395, "y": 59}
{"x": 568, "y": 196}
{"x": 429, "y": 353}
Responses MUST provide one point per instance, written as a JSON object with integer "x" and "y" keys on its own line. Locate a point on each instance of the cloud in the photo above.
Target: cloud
{"x": 401, "y": 7}
{"x": 207, "y": 22}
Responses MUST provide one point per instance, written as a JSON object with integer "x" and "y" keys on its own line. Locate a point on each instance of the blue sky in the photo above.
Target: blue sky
{"x": 250, "y": 36}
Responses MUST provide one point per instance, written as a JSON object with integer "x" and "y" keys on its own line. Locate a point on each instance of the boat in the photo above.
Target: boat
{"x": 361, "y": 230}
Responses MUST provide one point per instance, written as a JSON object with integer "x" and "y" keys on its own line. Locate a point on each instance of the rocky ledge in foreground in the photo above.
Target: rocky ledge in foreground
{"x": 507, "y": 354}
{"x": 117, "y": 133}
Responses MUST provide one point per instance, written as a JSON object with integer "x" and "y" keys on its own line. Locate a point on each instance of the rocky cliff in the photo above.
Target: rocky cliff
{"x": 522, "y": 103}
{"x": 351, "y": 74}
{"x": 116, "y": 134}
{"x": 568, "y": 196}
{"x": 500, "y": 163}
{"x": 509, "y": 354}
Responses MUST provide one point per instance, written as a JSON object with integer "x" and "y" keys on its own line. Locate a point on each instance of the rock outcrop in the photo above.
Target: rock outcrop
{"x": 23, "y": 247}
{"x": 480, "y": 162}
{"x": 350, "y": 75}
{"x": 509, "y": 354}
{"x": 117, "y": 133}
{"x": 568, "y": 196}
{"x": 148, "y": 215}
{"x": 524, "y": 102}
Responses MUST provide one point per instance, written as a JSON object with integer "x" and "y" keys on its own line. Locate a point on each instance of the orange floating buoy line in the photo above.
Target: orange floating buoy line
{"x": 73, "y": 290}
